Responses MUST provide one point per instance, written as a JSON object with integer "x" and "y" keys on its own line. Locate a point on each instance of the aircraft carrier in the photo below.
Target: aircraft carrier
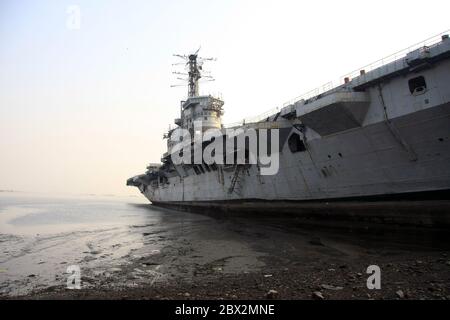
{"x": 356, "y": 148}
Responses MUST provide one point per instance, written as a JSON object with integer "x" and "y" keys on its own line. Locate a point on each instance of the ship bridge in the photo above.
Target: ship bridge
{"x": 204, "y": 110}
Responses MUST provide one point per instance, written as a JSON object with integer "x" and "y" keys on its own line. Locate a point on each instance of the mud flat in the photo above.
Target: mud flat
{"x": 137, "y": 251}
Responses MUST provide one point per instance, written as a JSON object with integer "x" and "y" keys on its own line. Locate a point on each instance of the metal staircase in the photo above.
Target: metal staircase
{"x": 236, "y": 183}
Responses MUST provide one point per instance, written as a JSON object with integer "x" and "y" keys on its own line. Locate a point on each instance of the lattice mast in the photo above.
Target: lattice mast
{"x": 194, "y": 65}
{"x": 194, "y": 76}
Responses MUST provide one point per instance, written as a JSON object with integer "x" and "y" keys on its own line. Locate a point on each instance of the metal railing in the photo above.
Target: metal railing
{"x": 370, "y": 67}
{"x": 255, "y": 119}
{"x": 334, "y": 84}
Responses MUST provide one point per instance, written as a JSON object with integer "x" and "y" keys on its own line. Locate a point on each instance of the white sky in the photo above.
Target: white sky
{"x": 83, "y": 110}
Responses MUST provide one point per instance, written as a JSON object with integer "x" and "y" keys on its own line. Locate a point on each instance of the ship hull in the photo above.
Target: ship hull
{"x": 368, "y": 161}
{"x": 385, "y": 134}
{"x": 424, "y": 209}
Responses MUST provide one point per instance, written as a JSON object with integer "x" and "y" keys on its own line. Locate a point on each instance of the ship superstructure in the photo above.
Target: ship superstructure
{"x": 384, "y": 131}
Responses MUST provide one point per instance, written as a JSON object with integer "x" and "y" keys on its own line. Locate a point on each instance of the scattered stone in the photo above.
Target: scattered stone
{"x": 267, "y": 276}
{"x": 272, "y": 294}
{"x": 139, "y": 270}
{"x": 88, "y": 259}
{"x": 317, "y": 295}
{"x": 316, "y": 242}
{"x": 448, "y": 263}
{"x": 31, "y": 276}
{"x": 187, "y": 294}
{"x": 400, "y": 294}
{"x": 359, "y": 274}
{"x": 331, "y": 270}
{"x": 115, "y": 269}
{"x": 330, "y": 287}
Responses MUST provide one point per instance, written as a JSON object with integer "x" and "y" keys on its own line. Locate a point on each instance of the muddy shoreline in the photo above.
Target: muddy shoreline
{"x": 137, "y": 251}
{"x": 327, "y": 268}
{"x": 415, "y": 277}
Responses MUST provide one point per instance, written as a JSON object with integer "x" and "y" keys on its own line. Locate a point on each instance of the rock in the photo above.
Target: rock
{"x": 448, "y": 263}
{"x": 400, "y": 294}
{"x": 31, "y": 276}
{"x": 330, "y": 287}
{"x": 272, "y": 294}
{"x": 89, "y": 258}
{"x": 317, "y": 295}
{"x": 187, "y": 294}
{"x": 267, "y": 276}
{"x": 115, "y": 269}
{"x": 316, "y": 242}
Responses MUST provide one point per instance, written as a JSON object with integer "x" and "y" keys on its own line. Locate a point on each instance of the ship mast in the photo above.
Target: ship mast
{"x": 194, "y": 65}
{"x": 194, "y": 76}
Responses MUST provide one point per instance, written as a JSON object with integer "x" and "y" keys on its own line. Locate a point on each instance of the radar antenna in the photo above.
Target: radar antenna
{"x": 194, "y": 65}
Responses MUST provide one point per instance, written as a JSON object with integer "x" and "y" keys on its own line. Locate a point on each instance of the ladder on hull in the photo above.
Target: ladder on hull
{"x": 236, "y": 180}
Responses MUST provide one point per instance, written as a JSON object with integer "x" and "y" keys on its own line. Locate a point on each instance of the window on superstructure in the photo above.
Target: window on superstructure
{"x": 201, "y": 169}
{"x": 197, "y": 171}
{"x": 417, "y": 85}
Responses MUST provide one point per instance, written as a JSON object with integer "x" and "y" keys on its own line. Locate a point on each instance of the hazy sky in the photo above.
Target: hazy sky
{"x": 82, "y": 110}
